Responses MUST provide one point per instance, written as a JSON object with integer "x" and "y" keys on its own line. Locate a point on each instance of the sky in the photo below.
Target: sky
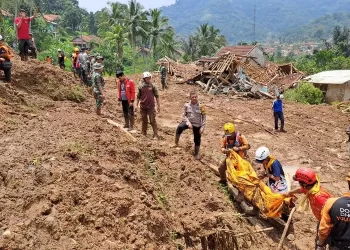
{"x": 93, "y": 5}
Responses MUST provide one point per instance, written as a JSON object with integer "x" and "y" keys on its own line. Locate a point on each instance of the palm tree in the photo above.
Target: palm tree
{"x": 169, "y": 45}
{"x": 117, "y": 13}
{"x": 159, "y": 27}
{"x": 117, "y": 37}
{"x": 209, "y": 39}
{"x": 134, "y": 19}
{"x": 190, "y": 48}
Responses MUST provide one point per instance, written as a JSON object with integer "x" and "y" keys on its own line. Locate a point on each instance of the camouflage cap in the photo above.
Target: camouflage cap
{"x": 99, "y": 57}
{"x": 98, "y": 66}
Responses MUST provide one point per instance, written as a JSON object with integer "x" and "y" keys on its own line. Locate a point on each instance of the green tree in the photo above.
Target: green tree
{"x": 117, "y": 37}
{"x": 190, "y": 48}
{"x": 159, "y": 28}
{"x": 134, "y": 19}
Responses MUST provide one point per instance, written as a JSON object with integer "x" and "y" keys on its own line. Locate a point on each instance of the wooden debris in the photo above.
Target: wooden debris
{"x": 128, "y": 134}
{"x": 280, "y": 244}
{"x": 344, "y": 107}
{"x": 231, "y": 74}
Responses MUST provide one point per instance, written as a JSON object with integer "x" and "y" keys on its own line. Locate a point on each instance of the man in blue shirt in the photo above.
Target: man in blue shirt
{"x": 277, "y": 107}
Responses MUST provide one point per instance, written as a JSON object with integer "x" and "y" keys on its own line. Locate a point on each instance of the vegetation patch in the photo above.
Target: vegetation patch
{"x": 305, "y": 93}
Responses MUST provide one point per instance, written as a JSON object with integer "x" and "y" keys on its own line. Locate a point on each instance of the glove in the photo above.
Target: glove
{"x": 236, "y": 149}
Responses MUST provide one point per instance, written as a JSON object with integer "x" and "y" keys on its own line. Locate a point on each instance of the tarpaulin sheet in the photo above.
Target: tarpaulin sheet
{"x": 242, "y": 175}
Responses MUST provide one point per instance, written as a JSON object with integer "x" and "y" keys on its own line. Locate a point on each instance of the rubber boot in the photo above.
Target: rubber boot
{"x": 177, "y": 138}
{"x": 126, "y": 119}
{"x": 196, "y": 153}
{"x": 131, "y": 124}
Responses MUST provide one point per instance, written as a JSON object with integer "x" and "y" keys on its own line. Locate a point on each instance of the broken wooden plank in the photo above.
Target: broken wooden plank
{"x": 280, "y": 244}
{"x": 224, "y": 80}
{"x": 266, "y": 94}
{"x": 128, "y": 134}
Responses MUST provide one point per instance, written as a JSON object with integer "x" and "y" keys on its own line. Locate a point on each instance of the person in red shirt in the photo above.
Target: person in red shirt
{"x": 315, "y": 195}
{"x": 126, "y": 95}
{"x": 24, "y": 41}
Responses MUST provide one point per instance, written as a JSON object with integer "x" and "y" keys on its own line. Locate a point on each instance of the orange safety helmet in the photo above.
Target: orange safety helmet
{"x": 305, "y": 175}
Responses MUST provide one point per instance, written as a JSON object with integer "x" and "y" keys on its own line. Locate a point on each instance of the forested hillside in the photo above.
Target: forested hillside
{"x": 235, "y": 18}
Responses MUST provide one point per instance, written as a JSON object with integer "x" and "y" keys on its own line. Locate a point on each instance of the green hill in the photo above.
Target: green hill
{"x": 235, "y": 18}
{"x": 319, "y": 29}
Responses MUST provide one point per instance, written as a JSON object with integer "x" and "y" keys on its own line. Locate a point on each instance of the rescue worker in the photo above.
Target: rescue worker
{"x": 90, "y": 70}
{"x": 126, "y": 95}
{"x": 277, "y": 107}
{"x": 99, "y": 59}
{"x": 147, "y": 96}
{"x": 163, "y": 75}
{"x": 83, "y": 59}
{"x": 61, "y": 58}
{"x": 74, "y": 61}
{"x": 93, "y": 59}
{"x": 273, "y": 170}
{"x": 98, "y": 87}
{"x": 22, "y": 25}
{"x": 48, "y": 59}
{"x": 335, "y": 223}
{"x": 5, "y": 59}
{"x": 232, "y": 140}
{"x": 194, "y": 117}
{"x": 314, "y": 195}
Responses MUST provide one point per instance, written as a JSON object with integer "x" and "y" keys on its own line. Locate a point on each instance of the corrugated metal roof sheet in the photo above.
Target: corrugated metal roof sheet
{"x": 330, "y": 77}
{"x": 237, "y": 50}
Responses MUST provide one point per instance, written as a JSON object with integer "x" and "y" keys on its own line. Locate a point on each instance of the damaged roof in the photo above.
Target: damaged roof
{"x": 237, "y": 50}
{"x": 330, "y": 77}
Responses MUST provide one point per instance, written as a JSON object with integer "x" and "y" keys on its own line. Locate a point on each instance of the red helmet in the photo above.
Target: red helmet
{"x": 305, "y": 175}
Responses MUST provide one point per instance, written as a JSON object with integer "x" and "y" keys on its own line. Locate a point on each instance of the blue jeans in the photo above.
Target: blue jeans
{"x": 279, "y": 115}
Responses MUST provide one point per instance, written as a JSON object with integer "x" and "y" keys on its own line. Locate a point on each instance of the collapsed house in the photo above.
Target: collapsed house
{"x": 180, "y": 72}
{"x": 237, "y": 70}
{"x": 244, "y": 70}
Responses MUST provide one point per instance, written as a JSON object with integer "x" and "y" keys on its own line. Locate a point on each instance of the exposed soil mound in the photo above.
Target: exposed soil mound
{"x": 69, "y": 180}
{"x": 37, "y": 77}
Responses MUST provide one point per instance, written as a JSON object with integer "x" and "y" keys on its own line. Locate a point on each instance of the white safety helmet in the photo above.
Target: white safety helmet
{"x": 146, "y": 75}
{"x": 59, "y": 50}
{"x": 1, "y": 38}
{"x": 262, "y": 153}
{"x": 281, "y": 96}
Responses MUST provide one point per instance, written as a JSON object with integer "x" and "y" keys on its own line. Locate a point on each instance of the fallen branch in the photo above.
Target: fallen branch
{"x": 129, "y": 135}
{"x": 279, "y": 247}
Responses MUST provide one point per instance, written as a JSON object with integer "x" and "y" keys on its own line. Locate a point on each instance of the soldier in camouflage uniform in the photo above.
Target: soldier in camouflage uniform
{"x": 98, "y": 87}
{"x": 163, "y": 75}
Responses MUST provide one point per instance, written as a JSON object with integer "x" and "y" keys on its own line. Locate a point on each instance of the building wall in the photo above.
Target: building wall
{"x": 335, "y": 93}
{"x": 347, "y": 92}
{"x": 260, "y": 59}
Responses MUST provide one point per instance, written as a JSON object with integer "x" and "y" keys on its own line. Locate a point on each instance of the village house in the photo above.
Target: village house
{"x": 86, "y": 41}
{"x": 52, "y": 21}
{"x": 335, "y": 84}
{"x": 252, "y": 51}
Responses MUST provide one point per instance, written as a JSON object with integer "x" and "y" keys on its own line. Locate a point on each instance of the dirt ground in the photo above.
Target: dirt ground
{"x": 69, "y": 180}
